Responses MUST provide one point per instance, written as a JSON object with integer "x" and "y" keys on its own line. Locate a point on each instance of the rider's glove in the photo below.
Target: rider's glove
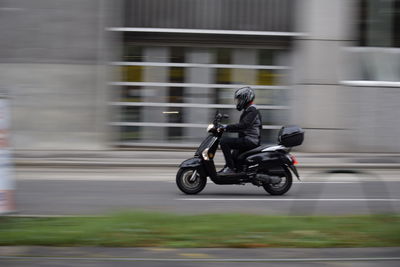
{"x": 221, "y": 128}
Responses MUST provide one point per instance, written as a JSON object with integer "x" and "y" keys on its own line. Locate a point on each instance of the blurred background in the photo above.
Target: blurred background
{"x": 98, "y": 74}
{"x": 97, "y": 95}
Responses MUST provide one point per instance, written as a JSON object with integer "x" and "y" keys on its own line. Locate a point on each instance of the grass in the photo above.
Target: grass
{"x": 143, "y": 229}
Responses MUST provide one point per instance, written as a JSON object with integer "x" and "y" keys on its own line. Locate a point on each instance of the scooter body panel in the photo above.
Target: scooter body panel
{"x": 265, "y": 160}
{"x": 191, "y": 163}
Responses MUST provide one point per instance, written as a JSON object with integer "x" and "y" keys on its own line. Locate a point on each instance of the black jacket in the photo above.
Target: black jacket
{"x": 249, "y": 125}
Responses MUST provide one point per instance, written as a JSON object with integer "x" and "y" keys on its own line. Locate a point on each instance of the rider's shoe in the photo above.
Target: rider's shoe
{"x": 221, "y": 170}
{"x": 227, "y": 171}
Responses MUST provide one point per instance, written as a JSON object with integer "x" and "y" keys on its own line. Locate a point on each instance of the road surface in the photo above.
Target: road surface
{"x": 107, "y": 257}
{"x": 55, "y": 191}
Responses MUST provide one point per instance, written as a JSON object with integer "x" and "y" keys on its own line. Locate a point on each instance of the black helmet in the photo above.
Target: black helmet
{"x": 243, "y": 97}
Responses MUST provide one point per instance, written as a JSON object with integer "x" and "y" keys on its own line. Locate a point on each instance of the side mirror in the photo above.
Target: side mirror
{"x": 225, "y": 116}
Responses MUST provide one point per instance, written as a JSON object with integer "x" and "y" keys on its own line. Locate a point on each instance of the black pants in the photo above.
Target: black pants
{"x": 240, "y": 144}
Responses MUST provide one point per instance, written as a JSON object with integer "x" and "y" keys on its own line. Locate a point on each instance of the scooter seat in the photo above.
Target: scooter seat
{"x": 253, "y": 151}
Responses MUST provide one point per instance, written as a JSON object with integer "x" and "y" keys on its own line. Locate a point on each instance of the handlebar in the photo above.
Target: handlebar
{"x": 219, "y": 117}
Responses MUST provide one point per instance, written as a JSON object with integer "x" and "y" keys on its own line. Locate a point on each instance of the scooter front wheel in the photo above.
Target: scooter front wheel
{"x": 189, "y": 181}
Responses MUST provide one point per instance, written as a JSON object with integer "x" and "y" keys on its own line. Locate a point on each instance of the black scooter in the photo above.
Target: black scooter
{"x": 269, "y": 166}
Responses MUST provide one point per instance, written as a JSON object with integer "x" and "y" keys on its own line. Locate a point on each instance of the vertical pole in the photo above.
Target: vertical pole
{"x": 7, "y": 185}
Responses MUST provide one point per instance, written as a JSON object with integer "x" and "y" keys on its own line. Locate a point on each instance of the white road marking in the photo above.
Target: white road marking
{"x": 293, "y": 199}
{"x": 156, "y": 178}
{"x": 327, "y": 182}
{"x": 316, "y": 182}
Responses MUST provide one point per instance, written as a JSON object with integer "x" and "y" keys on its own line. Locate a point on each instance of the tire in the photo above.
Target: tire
{"x": 283, "y": 187}
{"x": 190, "y": 187}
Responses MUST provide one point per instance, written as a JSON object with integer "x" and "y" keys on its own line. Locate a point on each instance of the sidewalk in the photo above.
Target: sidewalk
{"x": 172, "y": 158}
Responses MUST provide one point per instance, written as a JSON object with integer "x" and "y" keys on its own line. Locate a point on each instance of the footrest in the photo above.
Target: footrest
{"x": 238, "y": 174}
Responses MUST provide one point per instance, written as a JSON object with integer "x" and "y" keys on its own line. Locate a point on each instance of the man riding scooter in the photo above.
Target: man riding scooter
{"x": 269, "y": 166}
{"x": 249, "y": 129}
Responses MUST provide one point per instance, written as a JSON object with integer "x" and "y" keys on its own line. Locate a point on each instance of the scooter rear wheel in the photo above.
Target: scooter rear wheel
{"x": 189, "y": 181}
{"x": 283, "y": 186}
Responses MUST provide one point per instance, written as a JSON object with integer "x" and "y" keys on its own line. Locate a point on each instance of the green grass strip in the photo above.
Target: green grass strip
{"x": 143, "y": 229}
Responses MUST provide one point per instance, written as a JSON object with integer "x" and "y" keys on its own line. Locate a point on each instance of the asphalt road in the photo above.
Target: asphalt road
{"x": 50, "y": 256}
{"x": 47, "y": 191}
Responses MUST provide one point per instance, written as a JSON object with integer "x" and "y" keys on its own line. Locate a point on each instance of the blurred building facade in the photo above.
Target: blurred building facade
{"x": 98, "y": 74}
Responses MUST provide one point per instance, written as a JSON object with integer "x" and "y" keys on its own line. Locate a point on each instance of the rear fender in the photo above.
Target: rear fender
{"x": 280, "y": 170}
{"x": 289, "y": 162}
{"x": 294, "y": 170}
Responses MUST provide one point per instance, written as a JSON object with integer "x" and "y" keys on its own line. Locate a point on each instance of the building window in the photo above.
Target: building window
{"x": 379, "y": 23}
{"x": 376, "y": 61}
{"x": 168, "y": 94}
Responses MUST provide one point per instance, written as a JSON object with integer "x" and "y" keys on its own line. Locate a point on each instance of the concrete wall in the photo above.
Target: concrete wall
{"x": 52, "y": 65}
{"x": 54, "y": 106}
{"x": 375, "y": 119}
{"x": 339, "y": 118}
{"x": 320, "y": 104}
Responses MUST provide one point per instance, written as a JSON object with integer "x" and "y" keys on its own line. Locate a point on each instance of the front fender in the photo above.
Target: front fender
{"x": 191, "y": 163}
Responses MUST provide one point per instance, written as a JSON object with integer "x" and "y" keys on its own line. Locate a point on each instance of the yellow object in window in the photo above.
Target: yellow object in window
{"x": 224, "y": 76}
{"x": 176, "y": 74}
{"x": 265, "y": 77}
{"x": 132, "y": 73}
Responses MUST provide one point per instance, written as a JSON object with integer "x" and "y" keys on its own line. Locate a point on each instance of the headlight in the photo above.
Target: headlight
{"x": 210, "y": 127}
{"x": 205, "y": 154}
